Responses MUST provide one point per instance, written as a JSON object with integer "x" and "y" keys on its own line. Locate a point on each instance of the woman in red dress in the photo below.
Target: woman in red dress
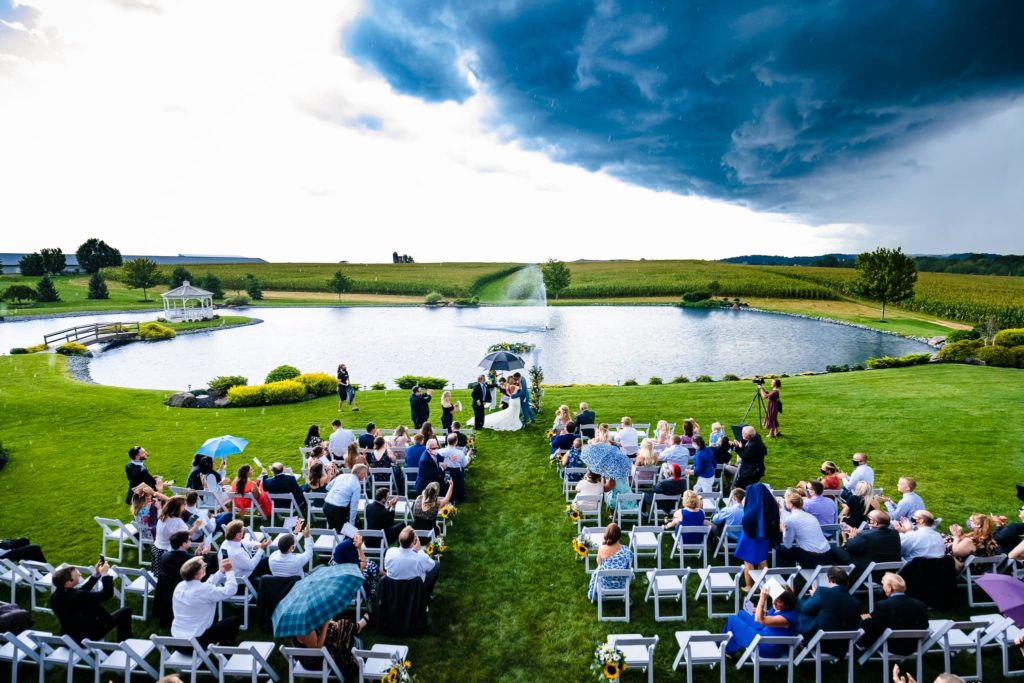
{"x": 242, "y": 486}
{"x": 773, "y": 406}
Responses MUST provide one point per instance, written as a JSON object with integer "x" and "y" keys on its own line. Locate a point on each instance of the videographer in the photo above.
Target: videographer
{"x": 773, "y": 406}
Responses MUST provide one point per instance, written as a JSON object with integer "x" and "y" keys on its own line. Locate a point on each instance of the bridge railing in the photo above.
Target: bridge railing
{"x": 91, "y": 333}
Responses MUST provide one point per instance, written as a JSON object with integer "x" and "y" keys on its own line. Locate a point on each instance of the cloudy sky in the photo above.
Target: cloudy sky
{"x": 511, "y": 130}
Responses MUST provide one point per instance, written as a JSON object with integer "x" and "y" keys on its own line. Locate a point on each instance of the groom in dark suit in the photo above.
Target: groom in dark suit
{"x": 481, "y": 397}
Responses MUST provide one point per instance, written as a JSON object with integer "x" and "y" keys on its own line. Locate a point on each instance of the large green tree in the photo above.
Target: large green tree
{"x": 253, "y": 287}
{"x": 95, "y": 254}
{"x": 179, "y": 275}
{"x": 212, "y": 283}
{"x": 97, "y": 287}
{"x": 886, "y": 275}
{"x": 556, "y": 277}
{"x": 31, "y": 264}
{"x": 53, "y": 261}
{"x": 141, "y": 273}
{"x": 339, "y": 284}
{"x": 18, "y": 293}
{"x": 45, "y": 291}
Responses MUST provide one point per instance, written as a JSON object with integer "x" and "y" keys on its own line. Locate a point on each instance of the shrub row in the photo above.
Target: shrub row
{"x": 281, "y": 373}
{"x": 222, "y": 383}
{"x": 318, "y": 383}
{"x": 72, "y": 349}
{"x": 410, "y": 381}
{"x": 155, "y": 332}
{"x": 287, "y": 391}
{"x": 900, "y": 362}
{"x": 1010, "y": 338}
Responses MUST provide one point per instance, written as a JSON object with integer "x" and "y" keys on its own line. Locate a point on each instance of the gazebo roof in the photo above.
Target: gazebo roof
{"x": 186, "y": 291}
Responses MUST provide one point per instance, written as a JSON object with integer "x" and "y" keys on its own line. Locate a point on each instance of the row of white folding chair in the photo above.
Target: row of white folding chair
{"x": 1006, "y": 641}
{"x": 637, "y": 651}
{"x": 48, "y": 651}
{"x": 374, "y": 663}
{"x": 971, "y": 636}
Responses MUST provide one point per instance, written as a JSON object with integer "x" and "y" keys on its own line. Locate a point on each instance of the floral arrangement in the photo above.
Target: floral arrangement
{"x": 572, "y": 511}
{"x": 518, "y": 348}
{"x": 609, "y": 662}
{"x": 581, "y": 545}
{"x": 536, "y": 390}
{"x": 448, "y": 511}
{"x": 436, "y": 548}
{"x": 399, "y": 671}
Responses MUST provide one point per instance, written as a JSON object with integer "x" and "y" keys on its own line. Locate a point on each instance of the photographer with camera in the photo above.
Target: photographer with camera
{"x": 751, "y": 454}
{"x": 773, "y": 405}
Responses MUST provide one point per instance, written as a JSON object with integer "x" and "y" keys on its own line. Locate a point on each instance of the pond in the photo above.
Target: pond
{"x": 579, "y": 345}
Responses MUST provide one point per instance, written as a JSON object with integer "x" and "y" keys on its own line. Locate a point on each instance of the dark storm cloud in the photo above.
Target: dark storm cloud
{"x": 738, "y": 100}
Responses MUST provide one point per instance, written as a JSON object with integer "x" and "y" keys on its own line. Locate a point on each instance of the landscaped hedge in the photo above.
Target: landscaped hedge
{"x": 36, "y": 348}
{"x": 958, "y": 352}
{"x": 692, "y": 297}
{"x": 287, "y": 391}
{"x": 318, "y": 383}
{"x": 900, "y": 362}
{"x": 960, "y": 335}
{"x": 410, "y": 381}
{"x": 283, "y": 372}
{"x": 997, "y": 356}
{"x": 222, "y": 383}
{"x": 155, "y": 332}
{"x": 1010, "y": 338}
{"x": 1018, "y": 351}
{"x": 72, "y": 349}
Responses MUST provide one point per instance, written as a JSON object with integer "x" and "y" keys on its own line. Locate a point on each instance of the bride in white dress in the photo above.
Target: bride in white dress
{"x": 506, "y": 420}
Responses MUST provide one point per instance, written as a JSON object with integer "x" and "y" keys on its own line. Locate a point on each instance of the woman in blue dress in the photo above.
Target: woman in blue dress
{"x": 611, "y": 555}
{"x": 690, "y": 514}
{"x": 781, "y": 620}
{"x": 761, "y": 530}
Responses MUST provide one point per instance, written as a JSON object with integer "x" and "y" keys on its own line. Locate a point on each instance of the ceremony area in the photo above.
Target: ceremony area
{"x": 511, "y": 599}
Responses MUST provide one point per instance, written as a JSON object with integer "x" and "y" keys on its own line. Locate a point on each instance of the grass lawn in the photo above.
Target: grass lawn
{"x": 284, "y": 298}
{"x": 896, "y": 320}
{"x": 73, "y": 289}
{"x": 511, "y": 602}
{"x": 221, "y": 321}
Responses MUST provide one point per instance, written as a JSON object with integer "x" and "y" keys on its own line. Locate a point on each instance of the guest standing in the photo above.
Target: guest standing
{"x": 773, "y": 407}
{"x": 137, "y": 473}
{"x": 346, "y": 392}
{"x": 447, "y": 411}
{"x": 760, "y": 530}
{"x": 481, "y": 397}
{"x": 751, "y": 454}
{"x": 419, "y": 406}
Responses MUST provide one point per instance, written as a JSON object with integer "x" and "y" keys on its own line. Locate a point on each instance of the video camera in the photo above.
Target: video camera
{"x": 759, "y": 381}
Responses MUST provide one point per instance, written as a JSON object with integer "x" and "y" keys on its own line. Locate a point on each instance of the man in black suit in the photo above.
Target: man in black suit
{"x": 481, "y": 398}
{"x": 419, "y": 406}
{"x": 80, "y": 610}
{"x": 169, "y": 575}
{"x": 751, "y": 453}
{"x": 430, "y": 468}
{"x": 137, "y": 473}
{"x": 831, "y": 608}
{"x": 380, "y": 515}
{"x": 283, "y": 482}
{"x": 586, "y": 416}
{"x": 462, "y": 439}
{"x": 898, "y": 612}
{"x": 1008, "y": 536}
{"x": 878, "y": 543}
{"x": 366, "y": 438}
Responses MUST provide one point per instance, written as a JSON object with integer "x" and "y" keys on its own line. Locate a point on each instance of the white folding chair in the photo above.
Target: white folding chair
{"x": 10, "y": 574}
{"x": 569, "y": 487}
{"x": 724, "y": 541}
{"x": 866, "y": 581}
{"x": 616, "y": 594}
{"x": 664, "y": 584}
{"x": 375, "y": 662}
{"x": 698, "y": 550}
{"x": 62, "y": 652}
{"x": 968, "y": 636}
{"x": 127, "y": 657}
{"x": 629, "y": 505}
{"x": 818, "y": 576}
{"x": 296, "y": 669}
{"x": 786, "y": 574}
{"x": 832, "y": 534}
{"x": 720, "y": 582}
{"x": 752, "y": 655}
{"x": 196, "y": 661}
{"x": 879, "y": 651}
{"x": 1005, "y": 641}
{"x": 710, "y": 503}
{"x": 248, "y": 659}
{"x": 701, "y": 648}
{"x": 645, "y": 541}
{"x": 974, "y": 567}
{"x": 637, "y": 651}
{"x": 139, "y": 582}
{"x": 812, "y": 649}
{"x": 39, "y": 577}
{"x": 590, "y": 509}
{"x": 282, "y": 505}
{"x": 19, "y": 649}
{"x": 657, "y": 512}
{"x": 314, "y": 508}
{"x": 409, "y": 475}
{"x": 115, "y": 531}
{"x": 644, "y": 477}
{"x": 375, "y": 545}
{"x": 595, "y": 535}
{"x": 245, "y": 600}
{"x": 379, "y": 476}
{"x": 323, "y": 541}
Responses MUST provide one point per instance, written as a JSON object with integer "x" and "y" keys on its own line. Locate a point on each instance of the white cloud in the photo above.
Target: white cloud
{"x": 242, "y": 128}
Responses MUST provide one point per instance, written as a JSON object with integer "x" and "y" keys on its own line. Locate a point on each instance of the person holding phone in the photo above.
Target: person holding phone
{"x": 284, "y": 561}
{"x": 195, "y": 604}
{"x": 80, "y": 608}
{"x": 380, "y": 515}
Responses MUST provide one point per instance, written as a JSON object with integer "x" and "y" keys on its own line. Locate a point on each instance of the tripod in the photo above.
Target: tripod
{"x": 760, "y": 407}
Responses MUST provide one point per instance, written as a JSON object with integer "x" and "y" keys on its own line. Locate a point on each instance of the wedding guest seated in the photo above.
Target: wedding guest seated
{"x": 662, "y": 434}
{"x": 320, "y": 455}
{"x": 430, "y": 467}
{"x": 922, "y": 541}
{"x": 676, "y": 453}
{"x": 563, "y": 441}
{"x": 242, "y": 486}
{"x": 80, "y": 609}
{"x": 211, "y": 524}
{"x": 343, "y": 493}
{"x": 380, "y": 515}
{"x": 672, "y": 485}
{"x": 703, "y": 466}
{"x": 246, "y": 556}
{"x": 690, "y": 514}
{"x": 428, "y": 504}
{"x": 858, "y": 503}
{"x": 313, "y": 438}
{"x": 562, "y": 420}
{"x": 172, "y": 520}
{"x": 908, "y": 504}
{"x": 211, "y": 477}
{"x": 169, "y": 575}
{"x": 830, "y": 609}
{"x": 690, "y": 430}
{"x": 717, "y": 434}
{"x": 353, "y": 457}
{"x": 285, "y": 561}
{"x": 601, "y": 434}
{"x": 367, "y": 438}
{"x": 829, "y": 477}
{"x": 723, "y": 452}
{"x": 18, "y": 549}
{"x": 820, "y": 507}
{"x": 339, "y": 440}
{"x": 408, "y": 561}
{"x": 192, "y": 480}
{"x": 585, "y": 417}
{"x": 861, "y": 472}
{"x": 782, "y": 619}
{"x": 877, "y": 543}
{"x": 612, "y": 490}
{"x": 427, "y": 430}
{"x": 339, "y": 638}
{"x": 979, "y": 541}
{"x": 610, "y": 555}
{"x": 645, "y": 457}
{"x": 898, "y": 612}
{"x": 351, "y": 551}
{"x": 380, "y": 456}
{"x": 573, "y": 458}
{"x": 803, "y": 542}
{"x": 281, "y": 481}
{"x": 455, "y": 461}
{"x": 414, "y": 452}
{"x": 591, "y": 485}
{"x": 318, "y": 478}
{"x": 627, "y": 437}
{"x": 731, "y": 515}
{"x": 146, "y": 505}
{"x": 400, "y": 439}
{"x": 1009, "y": 536}
{"x": 195, "y": 604}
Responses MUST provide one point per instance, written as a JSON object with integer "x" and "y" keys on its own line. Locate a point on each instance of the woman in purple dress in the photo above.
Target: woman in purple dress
{"x": 772, "y": 408}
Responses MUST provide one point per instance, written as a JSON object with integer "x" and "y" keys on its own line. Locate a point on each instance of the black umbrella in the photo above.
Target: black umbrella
{"x": 503, "y": 361}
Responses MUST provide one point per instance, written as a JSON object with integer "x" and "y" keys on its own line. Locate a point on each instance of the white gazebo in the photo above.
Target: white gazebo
{"x": 187, "y": 303}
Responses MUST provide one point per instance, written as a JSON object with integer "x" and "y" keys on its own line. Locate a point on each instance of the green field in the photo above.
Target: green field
{"x": 73, "y": 290}
{"x": 511, "y": 605}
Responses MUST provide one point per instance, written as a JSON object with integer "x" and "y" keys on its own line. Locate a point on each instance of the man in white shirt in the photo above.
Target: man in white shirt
{"x": 909, "y": 503}
{"x": 408, "y": 561}
{"x": 284, "y": 561}
{"x": 803, "y": 542}
{"x": 195, "y": 604}
{"x": 455, "y": 461}
{"x": 627, "y": 437}
{"x": 246, "y": 556}
{"x": 861, "y": 472}
{"x": 924, "y": 541}
{"x": 341, "y": 504}
{"x": 339, "y": 440}
{"x": 676, "y": 453}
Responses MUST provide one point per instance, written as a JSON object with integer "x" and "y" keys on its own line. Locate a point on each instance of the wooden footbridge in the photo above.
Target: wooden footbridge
{"x": 95, "y": 333}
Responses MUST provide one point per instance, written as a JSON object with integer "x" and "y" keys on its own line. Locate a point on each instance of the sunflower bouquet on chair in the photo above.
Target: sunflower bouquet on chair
{"x": 572, "y": 511}
{"x": 582, "y": 546}
{"x": 609, "y": 662}
{"x": 437, "y": 547}
{"x": 448, "y": 511}
{"x": 399, "y": 671}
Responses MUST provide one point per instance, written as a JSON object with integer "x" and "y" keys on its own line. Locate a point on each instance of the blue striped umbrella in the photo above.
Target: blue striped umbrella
{"x": 316, "y": 598}
{"x": 220, "y": 446}
{"x": 607, "y": 460}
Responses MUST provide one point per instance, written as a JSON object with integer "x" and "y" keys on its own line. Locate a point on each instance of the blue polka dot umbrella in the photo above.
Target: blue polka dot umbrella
{"x": 607, "y": 460}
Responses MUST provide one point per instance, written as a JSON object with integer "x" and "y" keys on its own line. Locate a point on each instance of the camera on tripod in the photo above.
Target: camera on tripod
{"x": 759, "y": 381}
